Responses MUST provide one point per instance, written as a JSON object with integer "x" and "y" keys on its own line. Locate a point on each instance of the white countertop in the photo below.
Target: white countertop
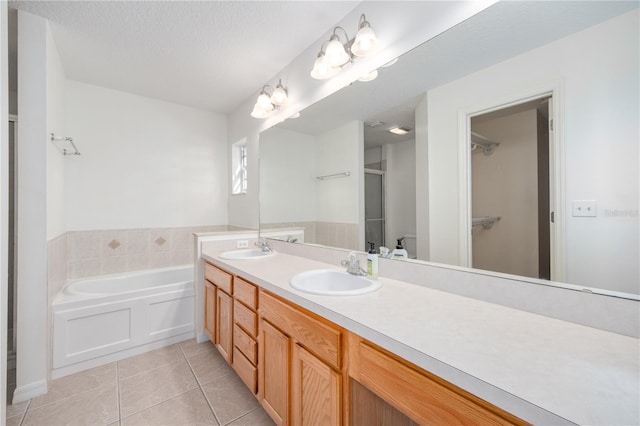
{"x": 541, "y": 369}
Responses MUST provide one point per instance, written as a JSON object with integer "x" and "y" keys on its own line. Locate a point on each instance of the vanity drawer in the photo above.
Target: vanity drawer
{"x": 317, "y": 336}
{"x": 246, "y": 344}
{"x": 218, "y": 277}
{"x": 245, "y": 318}
{"x": 247, "y": 371}
{"x": 246, "y": 292}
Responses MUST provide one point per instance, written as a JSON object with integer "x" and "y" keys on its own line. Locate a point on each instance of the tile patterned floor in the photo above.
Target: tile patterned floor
{"x": 183, "y": 384}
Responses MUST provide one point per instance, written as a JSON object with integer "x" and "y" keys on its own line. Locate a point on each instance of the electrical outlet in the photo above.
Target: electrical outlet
{"x": 242, "y": 244}
{"x": 583, "y": 208}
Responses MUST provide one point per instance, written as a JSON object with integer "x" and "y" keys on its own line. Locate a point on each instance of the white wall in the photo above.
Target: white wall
{"x": 423, "y": 236}
{"x": 287, "y": 176}
{"x": 4, "y": 210}
{"x": 421, "y": 21}
{"x": 145, "y": 163}
{"x": 31, "y": 363}
{"x": 401, "y": 190}
{"x": 55, "y": 124}
{"x": 598, "y": 74}
{"x": 339, "y": 199}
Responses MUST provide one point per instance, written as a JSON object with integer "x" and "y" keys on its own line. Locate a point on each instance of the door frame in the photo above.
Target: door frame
{"x": 385, "y": 231}
{"x": 557, "y": 167}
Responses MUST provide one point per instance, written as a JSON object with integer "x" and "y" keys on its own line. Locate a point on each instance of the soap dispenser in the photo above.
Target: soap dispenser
{"x": 372, "y": 262}
{"x": 399, "y": 252}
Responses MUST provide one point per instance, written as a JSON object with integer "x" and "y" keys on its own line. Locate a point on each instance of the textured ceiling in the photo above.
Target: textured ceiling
{"x": 205, "y": 54}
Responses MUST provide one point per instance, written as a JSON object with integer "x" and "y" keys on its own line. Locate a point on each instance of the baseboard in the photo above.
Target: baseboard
{"x": 202, "y": 337}
{"x": 26, "y": 392}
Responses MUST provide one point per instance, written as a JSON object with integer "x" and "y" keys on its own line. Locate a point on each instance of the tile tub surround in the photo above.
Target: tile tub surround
{"x": 333, "y": 234}
{"x": 91, "y": 253}
{"x": 541, "y": 369}
{"x": 186, "y": 383}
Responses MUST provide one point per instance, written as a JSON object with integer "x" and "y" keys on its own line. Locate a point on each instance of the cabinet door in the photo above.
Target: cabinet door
{"x": 224, "y": 324}
{"x": 210, "y": 311}
{"x": 273, "y": 372}
{"x": 316, "y": 390}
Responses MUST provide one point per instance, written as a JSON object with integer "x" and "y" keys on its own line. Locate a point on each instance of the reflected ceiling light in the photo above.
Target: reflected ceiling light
{"x": 368, "y": 77}
{"x": 269, "y": 102}
{"x": 334, "y": 53}
{"x": 399, "y": 131}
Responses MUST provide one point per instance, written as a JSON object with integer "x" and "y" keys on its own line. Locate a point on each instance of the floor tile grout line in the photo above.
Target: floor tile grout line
{"x": 242, "y": 416}
{"x": 151, "y": 369}
{"x": 200, "y": 386}
{"x": 24, "y": 414}
{"x": 67, "y": 398}
{"x": 118, "y": 391}
{"x": 158, "y": 403}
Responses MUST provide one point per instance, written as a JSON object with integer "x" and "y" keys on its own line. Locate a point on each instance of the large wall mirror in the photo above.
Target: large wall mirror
{"x": 520, "y": 151}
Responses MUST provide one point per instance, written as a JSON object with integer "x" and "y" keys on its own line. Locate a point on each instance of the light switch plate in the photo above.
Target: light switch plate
{"x": 583, "y": 208}
{"x": 242, "y": 244}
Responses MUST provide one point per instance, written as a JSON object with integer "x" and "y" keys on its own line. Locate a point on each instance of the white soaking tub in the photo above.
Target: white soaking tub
{"x": 102, "y": 319}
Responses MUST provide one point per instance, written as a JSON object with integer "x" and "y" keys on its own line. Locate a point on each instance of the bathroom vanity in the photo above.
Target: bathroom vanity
{"x": 409, "y": 354}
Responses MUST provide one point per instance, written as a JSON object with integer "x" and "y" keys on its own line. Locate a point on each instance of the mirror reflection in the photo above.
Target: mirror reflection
{"x": 520, "y": 150}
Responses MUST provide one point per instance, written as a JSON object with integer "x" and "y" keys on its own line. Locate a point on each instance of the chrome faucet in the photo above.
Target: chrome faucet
{"x": 264, "y": 246}
{"x": 353, "y": 265}
{"x": 290, "y": 239}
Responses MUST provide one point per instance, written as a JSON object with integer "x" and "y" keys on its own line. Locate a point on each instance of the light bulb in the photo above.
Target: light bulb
{"x": 335, "y": 55}
{"x": 365, "y": 43}
{"x": 279, "y": 95}
{"x": 264, "y": 101}
{"x": 258, "y": 112}
{"x": 321, "y": 70}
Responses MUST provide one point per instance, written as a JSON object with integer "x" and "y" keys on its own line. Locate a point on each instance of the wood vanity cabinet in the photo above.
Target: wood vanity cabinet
{"x": 300, "y": 377}
{"x": 219, "y": 316}
{"x": 305, "y": 370}
{"x": 245, "y": 332}
{"x": 420, "y": 395}
{"x": 210, "y": 310}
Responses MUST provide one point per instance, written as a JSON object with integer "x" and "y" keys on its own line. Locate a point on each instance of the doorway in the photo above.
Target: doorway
{"x": 511, "y": 188}
{"x": 374, "y": 212}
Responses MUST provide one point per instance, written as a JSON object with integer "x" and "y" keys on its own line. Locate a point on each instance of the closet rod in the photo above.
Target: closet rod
{"x": 343, "y": 174}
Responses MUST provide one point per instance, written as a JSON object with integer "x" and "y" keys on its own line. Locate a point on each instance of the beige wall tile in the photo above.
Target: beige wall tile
{"x": 137, "y": 262}
{"x": 113, "y": 265}
{"x": 84, "y": 245}
{"x": 113, "y": 243}
{"x": 84, "y": 268}
{"x": 160, "y": 240}
{"x": 138, "y": 241}
{"x": 159, "y": 259}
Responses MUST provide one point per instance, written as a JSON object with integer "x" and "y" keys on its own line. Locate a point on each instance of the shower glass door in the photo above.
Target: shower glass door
{"x": 374, "y": 207}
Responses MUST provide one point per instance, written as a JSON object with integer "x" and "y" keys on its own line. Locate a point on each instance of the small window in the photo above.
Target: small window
{"x": 239, "y": 166}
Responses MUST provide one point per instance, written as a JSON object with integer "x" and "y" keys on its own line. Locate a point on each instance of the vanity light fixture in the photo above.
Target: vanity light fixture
{"x": 399, "y": 131}
{"x": 334, "y": 53}
{"x": 269, "y": 102}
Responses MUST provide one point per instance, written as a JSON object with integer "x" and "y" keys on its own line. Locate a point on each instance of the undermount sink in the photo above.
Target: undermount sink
{"x": 245, "y": 254}
{"x": 332, "y": 282}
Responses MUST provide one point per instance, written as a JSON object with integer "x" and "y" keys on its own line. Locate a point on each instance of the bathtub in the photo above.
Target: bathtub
{"x": 103, "y": 319}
